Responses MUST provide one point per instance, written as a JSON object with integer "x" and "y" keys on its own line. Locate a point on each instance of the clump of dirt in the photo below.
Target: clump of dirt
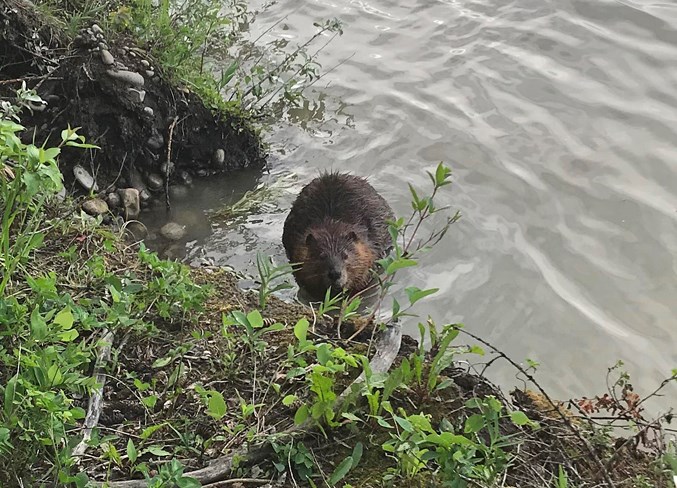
{"x": 148, "y": 130}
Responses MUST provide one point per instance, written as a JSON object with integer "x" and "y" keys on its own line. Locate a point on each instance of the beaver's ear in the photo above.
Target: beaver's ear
{"x": 310, "y": 239}
{"x": 352, "y": 236}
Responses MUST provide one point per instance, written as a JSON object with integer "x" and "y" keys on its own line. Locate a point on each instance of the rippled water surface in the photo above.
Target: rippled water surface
{"x": 559, "y": 120}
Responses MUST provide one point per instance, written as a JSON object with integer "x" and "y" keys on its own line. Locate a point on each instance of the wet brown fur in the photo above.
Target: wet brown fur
{"x": 338, "y": 224}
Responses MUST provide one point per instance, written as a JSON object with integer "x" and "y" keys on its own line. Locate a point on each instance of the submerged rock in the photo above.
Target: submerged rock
{"x": 95, "y": 207}
{"x": 130, "y": 202}
{"x": 155, "y": 181}
{"x": 173, "y": 231}
{"x": 84, "y": 178}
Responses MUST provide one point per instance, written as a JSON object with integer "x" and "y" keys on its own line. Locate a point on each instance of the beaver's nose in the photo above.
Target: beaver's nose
{"x": 334, "y": 274}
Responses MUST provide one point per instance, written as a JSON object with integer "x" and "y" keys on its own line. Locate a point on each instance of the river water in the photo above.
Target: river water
{"x": 559, "y": 120}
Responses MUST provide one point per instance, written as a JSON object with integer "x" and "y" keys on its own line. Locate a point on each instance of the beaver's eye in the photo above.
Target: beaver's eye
{"x": 344, "y": 255}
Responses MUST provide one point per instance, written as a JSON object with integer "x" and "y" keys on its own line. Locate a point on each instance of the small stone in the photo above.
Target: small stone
{"x": 136, "y": 180}
{"x": 103, "y": 45}
{"x": 155, "y": 181}
{"x": 219, "y": 157}
{"x": 113, "y": 200}
{"x": 61, "y": 195}
{"x": 185, "y": 177}
{"x": 129, "y": 77}
{"x": 106, "y": 57}
{"x": 145, "y": 64}
{"x": 173, "y": 231}
{"x": 148, "y": 111}
{"x": 84, "y": 178}
{"x": 136, "y": 230}
{"x": 145, "y": 195}
{"x": 156, "y": 141}
{"x": 202, "y": 172}
{"x": 150, "y": 73}
{"x": 95, "y": 207}
{"x": 136, "y": 96}
{"x": 167, "y": 168}
{"x": 130, "y": 202}
{"x": 96, "y": 29}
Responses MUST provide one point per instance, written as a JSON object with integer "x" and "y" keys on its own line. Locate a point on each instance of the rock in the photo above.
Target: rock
{"x": 155, "y": 141}
{"x": 95, "y": 207}
{"x": 167, "y": 168}
{"x": 145, "y": 195}
{"x": 173, "y": 231}
{"x": 130, "y": 202}
{"x": 113, "y": 200}
{"x": 150, "y": 73}
{"x": 145, "y": 64}
{"x": 185, "y": 177}
{"x": 136, "y": 96}
{"x": 219, "y": 157}
{"x": 103, "y": 45}
{"x": 136, "y": 180}
{"x": 106, "y": 57}
{"x": 61, "y": 195}
{"x": 136, "y": 230}
{"x": 202, "y": 172}
{"x": 96, "y": 29}
{"x": 128, "y": 77}
{"x": 155, "y": 181}
{"x": 84, "y": 178}
{"x": 148, "y": 111}
{"x": 178, "y": 192}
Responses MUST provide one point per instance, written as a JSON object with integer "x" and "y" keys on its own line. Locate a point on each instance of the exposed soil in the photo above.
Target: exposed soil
{"x": 128, "y": 108}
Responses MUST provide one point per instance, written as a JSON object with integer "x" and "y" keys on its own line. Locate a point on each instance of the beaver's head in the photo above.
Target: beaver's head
{"x": 337, "y": 257}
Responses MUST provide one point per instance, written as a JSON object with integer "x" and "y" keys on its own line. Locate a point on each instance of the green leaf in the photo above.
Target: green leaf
{"x": 149, "y": 431}
{"x": 10, "y": 394}
{"x": 289, "y": 399}
{"x": 68, "y": 335}
{"x": 227, "y": 75}
{"x": 519, "y": 418}
{"x": 301, "y": 330}
{"x": 404, "y": 423}
{"x": 188, "y": 482}
{"x": 474, "y": 423}
{"x": 38, "y": 326}
{"x": 255, "y": 319}
{"x": 351, "y": 416}
{"x": 341, "y": 471}
{"x": 415, "y": 294}
{"x": 399, "y": 264}
{"x": 301, "y": 415}
{"x": 384, "y": 423}
{"x": 357, "y": 454}
{"x": 323, "y": 353}
{"x": 64, "y": 318}
{"x": 158, "y": 451}
{"x": 447, "y": 439}
{"x": 216, "y": 406}
{"x": 162, "y": 362}
{"x": 132, "y": 453}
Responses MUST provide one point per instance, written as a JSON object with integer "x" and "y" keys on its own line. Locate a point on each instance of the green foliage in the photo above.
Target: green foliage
{"x": 294, "y": 456}
{"x": 269, "y": 273}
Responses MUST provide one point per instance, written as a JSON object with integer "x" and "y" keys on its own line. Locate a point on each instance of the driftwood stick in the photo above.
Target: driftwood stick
{"x": 96, "y": 399}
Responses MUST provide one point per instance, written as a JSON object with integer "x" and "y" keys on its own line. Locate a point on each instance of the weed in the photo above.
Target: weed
{"x": 268, "y": 273}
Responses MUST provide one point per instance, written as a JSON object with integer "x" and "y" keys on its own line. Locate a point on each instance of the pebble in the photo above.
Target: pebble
{"x": 84, "y": 178}
{"x": 155, "y": 141}
{"x": 173, "y": 231}
{"x": 148, "y": 111}
{"x": 202, "y": 172}
{"x": 155, "y": 181}
{"x": 103, "y": 45}
{"x": 185, "y": 177}
{"x": 219, "y": 157}
{"x": 145, "y": 63}
{"x": 136, "y": 96}
{"x": 150, "y": 73}
{"x": 95, "y": 207}
{"x": 130, "y": 202}
{"x": 167, "y": 168}
{"x": 145, "y": 195}
{"x": 113, "y": 200}
{"x": 96, "y": 29}
{"x": 128, "y": 77}
{"x": 61, "y": 195}
{"x": 106, "y": 57}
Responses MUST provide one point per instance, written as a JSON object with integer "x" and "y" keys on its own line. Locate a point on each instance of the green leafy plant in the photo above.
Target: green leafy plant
{"x": 269, "y": 273}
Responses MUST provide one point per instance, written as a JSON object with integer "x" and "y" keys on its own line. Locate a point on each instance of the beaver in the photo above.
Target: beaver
{"x": 336, "y": 230}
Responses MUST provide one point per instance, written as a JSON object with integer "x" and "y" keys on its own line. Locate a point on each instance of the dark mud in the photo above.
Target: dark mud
{"x": 147, "y": 128}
